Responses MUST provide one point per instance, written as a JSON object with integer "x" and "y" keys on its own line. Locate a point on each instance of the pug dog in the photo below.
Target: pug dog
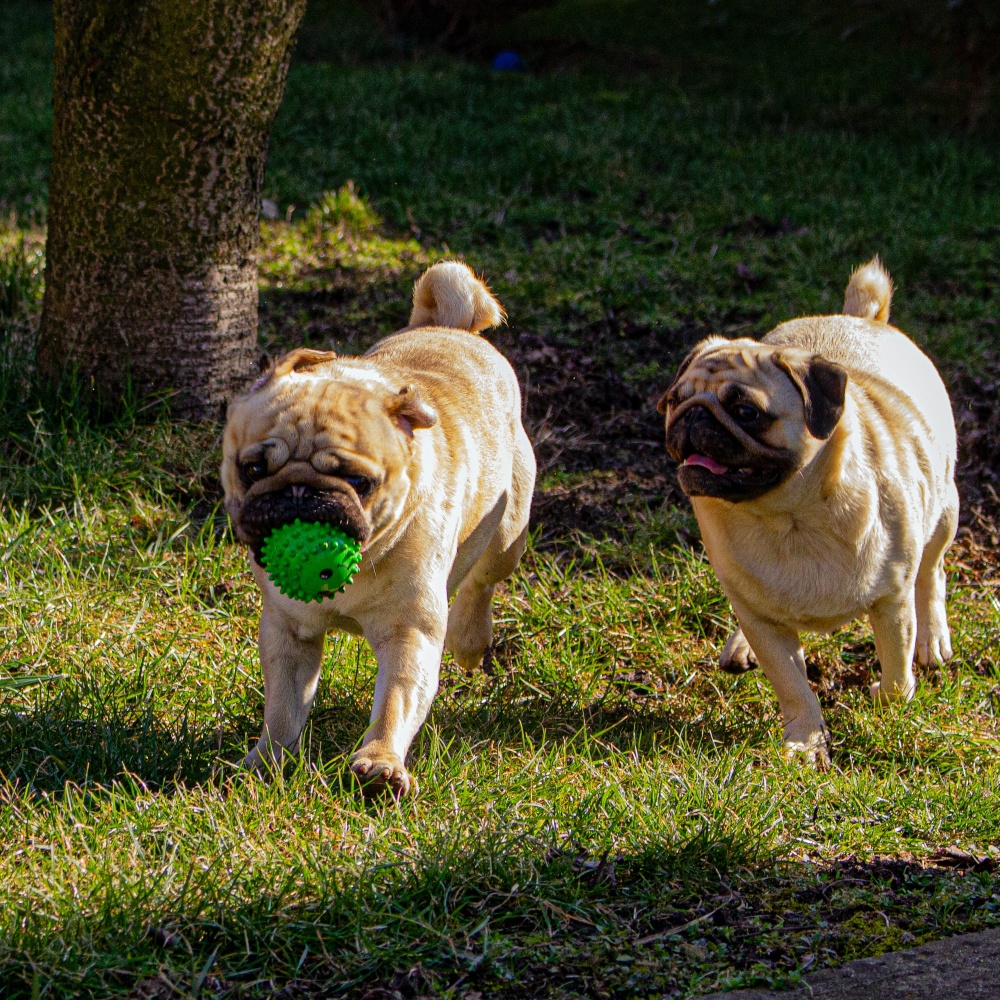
{"x": 417, "y": 451}
{"x": 820, "y": 463}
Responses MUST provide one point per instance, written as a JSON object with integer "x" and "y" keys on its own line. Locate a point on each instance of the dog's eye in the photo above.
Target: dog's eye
{"x": 745, "y": 413}
{"x": 255, "y": 470}
{"x": 361, "y": 485}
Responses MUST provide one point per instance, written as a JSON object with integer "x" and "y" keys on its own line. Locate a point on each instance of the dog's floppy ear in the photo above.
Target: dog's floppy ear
{"x": 664, "y": 401}
{"x": 822, "y": 385}
{"x": 300, "y": 358}
{"x": 293, "y": 361}
{"x": 409, "y": 409}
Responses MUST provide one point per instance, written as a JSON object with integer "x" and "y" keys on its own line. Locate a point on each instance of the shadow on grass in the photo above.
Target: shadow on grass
{"x": 679, "y": 920}
{"x": 54, "y": 746}
{"x": 447, "y": 911}
{"x": 96, "y": 725}
{"x": 111, "y": 735}
{"x": 343, "y": 311}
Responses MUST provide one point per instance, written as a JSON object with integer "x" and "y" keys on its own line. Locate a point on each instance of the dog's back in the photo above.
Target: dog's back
{"x": 863, "y": 342}
{"x": 439, "y": 347}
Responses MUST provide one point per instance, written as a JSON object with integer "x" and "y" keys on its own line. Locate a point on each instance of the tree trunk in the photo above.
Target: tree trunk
{"x": 162, "y": 111}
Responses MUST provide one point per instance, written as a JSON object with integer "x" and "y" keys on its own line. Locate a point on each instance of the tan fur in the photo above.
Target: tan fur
{"x": 449, "y": 294}
{"x": 861, "y": 527}
{"x": 869, "y": 292}
{"x": 434, "y": 415}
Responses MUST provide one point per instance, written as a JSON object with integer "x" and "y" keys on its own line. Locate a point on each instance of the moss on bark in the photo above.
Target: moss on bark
{"x": 162, "y": 111}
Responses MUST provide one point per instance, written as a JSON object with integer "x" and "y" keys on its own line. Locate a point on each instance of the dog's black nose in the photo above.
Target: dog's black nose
{"x": 297, "y": 492}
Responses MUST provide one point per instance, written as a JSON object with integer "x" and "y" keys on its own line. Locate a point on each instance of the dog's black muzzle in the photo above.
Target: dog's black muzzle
{"x": 697, "y": 432}
{"x": 749, "y": 472}
{"x": 337, "y": 506}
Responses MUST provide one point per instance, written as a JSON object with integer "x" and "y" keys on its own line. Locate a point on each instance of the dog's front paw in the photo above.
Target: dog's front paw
{"x": 886, "y": 694}
{"x": 381, "y": 772}
{"x": 267, "y": 761}
{"x": 737, "y": 656}
{"x": 933, "y": 642}
{"x": 809, "y": 744}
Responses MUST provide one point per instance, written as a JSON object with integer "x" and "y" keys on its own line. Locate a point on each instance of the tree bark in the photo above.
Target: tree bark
{"x": 162, "y": 111}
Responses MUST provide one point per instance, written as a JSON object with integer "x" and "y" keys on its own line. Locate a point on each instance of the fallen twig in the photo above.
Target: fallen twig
{"x": 649, "y": 938}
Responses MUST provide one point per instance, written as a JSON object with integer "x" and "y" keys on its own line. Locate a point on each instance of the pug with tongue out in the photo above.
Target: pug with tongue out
{"x": 820, "y": 464}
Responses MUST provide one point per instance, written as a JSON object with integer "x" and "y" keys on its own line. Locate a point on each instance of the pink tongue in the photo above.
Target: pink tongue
{"x": 706, "y": 463}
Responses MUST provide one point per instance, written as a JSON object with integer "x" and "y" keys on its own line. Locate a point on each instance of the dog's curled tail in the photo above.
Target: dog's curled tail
{"x": 449, "y": 294}
{"x": 869, "y": 292}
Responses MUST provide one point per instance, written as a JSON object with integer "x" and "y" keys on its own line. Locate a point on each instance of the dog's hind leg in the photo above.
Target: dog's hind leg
{"x": 894, "y": 622}
{"x": 470, "y": 621}
{"x": 933, "y": 636}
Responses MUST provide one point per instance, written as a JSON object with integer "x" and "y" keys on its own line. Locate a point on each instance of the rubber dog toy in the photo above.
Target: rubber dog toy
{"x": 308, "y": 562}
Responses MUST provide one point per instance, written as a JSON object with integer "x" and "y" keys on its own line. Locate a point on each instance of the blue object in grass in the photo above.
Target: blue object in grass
{"x": 508, "y": 61}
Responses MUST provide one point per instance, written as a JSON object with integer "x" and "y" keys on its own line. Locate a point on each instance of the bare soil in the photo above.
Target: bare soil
{"x": 964, "y": 967}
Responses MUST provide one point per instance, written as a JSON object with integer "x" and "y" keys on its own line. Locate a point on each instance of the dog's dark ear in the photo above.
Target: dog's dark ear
{"x": 664, "y": 401}
{"x": 822, "y": 385}
{"x": 410, "y": 409}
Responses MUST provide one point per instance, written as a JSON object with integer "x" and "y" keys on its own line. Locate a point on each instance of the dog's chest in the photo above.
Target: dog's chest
{"x": 790, "y": 574}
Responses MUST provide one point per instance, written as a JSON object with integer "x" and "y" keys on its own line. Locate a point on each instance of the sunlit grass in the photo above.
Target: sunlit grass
{"x": 340, "y": 232}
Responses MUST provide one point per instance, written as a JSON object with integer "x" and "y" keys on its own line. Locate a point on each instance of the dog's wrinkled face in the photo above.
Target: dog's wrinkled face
{"x": 321, "y": 441}
{"x": 743, "y": 417}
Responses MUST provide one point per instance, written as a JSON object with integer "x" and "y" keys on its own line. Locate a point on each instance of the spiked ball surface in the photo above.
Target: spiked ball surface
{"x": 308, "y": 562}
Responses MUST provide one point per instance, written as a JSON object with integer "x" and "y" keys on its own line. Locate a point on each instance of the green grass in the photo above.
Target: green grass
{"x": 606, "y": 784}
{"x": 25, "y": 106}
{"x": 639, "y": 196}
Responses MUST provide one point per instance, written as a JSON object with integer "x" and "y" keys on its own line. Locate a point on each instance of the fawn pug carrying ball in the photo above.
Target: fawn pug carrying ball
{"x": 417, "y": 451}
{"x": 820, "y": 463}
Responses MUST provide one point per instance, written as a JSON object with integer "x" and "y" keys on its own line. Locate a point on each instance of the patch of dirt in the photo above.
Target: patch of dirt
{"x": 599, "y": 428}
{"x": 853, "y": 666}
{"x": 975, "y": 397}
{"x": 583, "y": 413}
{"x": 604, "y": 503}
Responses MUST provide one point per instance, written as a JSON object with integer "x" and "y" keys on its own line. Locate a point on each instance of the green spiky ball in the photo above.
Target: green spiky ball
{"x": 308, "y": 562}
